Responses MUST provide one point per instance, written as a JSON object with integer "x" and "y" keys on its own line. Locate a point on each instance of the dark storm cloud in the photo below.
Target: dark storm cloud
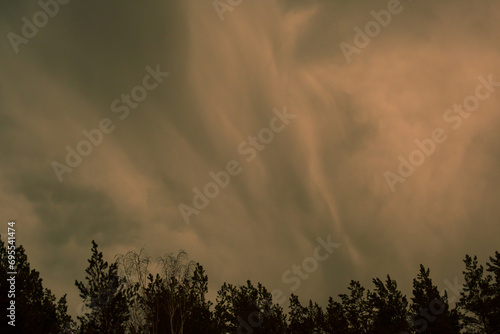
{"x": 322, "y": 175}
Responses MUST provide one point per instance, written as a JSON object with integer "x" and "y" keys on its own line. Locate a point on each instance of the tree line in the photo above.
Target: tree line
{"x": 127, "y": 296}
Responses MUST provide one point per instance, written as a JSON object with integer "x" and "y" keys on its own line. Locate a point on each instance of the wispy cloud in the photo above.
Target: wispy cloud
{"x": 322, "y": 176}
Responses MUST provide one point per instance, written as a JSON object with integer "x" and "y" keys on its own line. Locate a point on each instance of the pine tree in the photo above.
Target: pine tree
{"x": 494, "y": 268}
{"x": 105, "y": 298}
{"x": 36, "y": 307}
{"x": 478, "y": 303}
{"x": 247, "y": 309}
{"x": 357, "y": 309}
{"x": 431, "y": 310}
{"x": 336, "y": 318}
{"x": 299, "y": 322}
{"x": 199, "y": 319}
{"x": 390, "y": 306}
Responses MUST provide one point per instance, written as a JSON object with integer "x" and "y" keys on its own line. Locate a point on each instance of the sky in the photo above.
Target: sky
{"x": 371, "y": 124}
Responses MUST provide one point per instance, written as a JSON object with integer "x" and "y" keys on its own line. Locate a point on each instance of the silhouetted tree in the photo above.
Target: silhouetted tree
{"x": 125, "y": 297}
{"x": 134, "y": 268}
{"x": 247, "y": 309}
{"x": 390, "y": 306}
{"x": 310, "y": 319}
{"x": 357, "y": 309}
{"x": 199, "y": 316}
{"x": 298, "y": 321}
{"x": 317, "y": 317}
{"x": 494, "y": 268}
{"x": 336, "y": 319}
{"x": 174, "y": 300}
{"x": 478, "y": 304}
{"x": 36, "y": 308}
{"x": 431, "y": 312}
{"x": 105, "y": 296}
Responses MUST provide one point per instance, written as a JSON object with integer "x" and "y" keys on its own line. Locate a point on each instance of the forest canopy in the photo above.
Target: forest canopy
{"x": 124, "y": 296}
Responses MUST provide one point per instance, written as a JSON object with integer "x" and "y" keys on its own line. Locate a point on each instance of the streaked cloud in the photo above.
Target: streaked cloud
{"x": 322, "y": 176}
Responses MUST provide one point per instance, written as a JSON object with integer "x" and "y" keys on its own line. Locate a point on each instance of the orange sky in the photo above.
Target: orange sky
{"x": 323, "y": 174}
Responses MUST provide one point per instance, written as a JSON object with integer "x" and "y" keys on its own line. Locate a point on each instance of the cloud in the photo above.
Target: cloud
{"x": 322, "y": 175}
